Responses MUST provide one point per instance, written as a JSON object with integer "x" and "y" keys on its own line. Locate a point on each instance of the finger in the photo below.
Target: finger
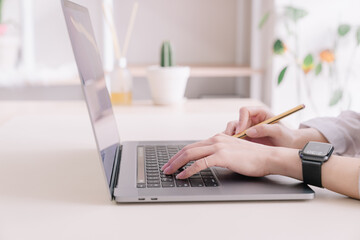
{"x": 193, "y": 145}
{"x": 187, "y": 156}
{"x": 206, "y": 142}
{"x": 231, "y": 127}
{"x": 250, "y": 116}
{"x": 265, "y": 130}
{"x": 197, "y": 166}
{"x": 243, "y": 120}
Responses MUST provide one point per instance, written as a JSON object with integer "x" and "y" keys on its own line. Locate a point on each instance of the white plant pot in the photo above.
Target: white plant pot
{"x": 167, "y": 84}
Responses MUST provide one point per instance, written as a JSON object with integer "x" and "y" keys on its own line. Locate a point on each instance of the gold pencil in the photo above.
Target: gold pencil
{"x": 273, "y": 119}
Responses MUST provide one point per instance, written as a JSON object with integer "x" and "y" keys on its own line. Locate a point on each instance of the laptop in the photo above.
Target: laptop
{"x": 132, "y": 169}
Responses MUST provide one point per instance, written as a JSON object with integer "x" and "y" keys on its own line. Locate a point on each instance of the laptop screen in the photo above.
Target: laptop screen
{"x": 91, "y": 73}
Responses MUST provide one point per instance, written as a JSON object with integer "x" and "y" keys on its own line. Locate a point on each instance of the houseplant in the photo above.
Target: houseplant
{"x": 321, "y": 69}
{"x": 167, "y": 82}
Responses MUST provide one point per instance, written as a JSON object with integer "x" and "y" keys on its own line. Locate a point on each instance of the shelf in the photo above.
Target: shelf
{"x": 205, "y": 71}
{"x": 197, "y": 71}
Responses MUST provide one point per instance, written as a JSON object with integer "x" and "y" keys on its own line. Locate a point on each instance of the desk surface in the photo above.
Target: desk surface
{"x": 51, "y": 186}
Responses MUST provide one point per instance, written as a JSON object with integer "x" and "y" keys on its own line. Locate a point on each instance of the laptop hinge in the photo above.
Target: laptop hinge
{"x": 115, "y": 172}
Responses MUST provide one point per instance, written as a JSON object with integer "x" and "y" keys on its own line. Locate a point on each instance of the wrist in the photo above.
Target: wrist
{"x": 285, "y": 161}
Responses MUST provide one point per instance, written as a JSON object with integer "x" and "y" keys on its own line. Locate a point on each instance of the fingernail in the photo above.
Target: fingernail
{"x": 251, "y": 132}
{"x": 166, "y": 170}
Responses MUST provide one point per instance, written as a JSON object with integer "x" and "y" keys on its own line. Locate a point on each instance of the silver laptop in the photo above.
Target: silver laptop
{"x": 132, "y": 169}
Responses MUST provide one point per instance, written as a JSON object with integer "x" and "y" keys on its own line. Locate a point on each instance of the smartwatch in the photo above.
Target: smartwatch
{"x": 313, "y": 155}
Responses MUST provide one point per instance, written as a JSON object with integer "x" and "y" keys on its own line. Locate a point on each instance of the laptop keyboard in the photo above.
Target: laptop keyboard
{"x": 152, "y": 158}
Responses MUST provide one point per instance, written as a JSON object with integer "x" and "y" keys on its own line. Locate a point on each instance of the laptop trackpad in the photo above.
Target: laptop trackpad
{"x": 228, "y": 177}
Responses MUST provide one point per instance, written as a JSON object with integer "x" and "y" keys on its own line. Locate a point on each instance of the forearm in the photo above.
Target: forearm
{"x": 339, "y": 174}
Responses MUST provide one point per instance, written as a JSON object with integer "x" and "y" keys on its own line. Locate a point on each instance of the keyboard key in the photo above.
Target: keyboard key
{"x": 206, "y": 173}
{"x": 155, "y": 185}
{"x": 182, "y": 183}
{"x": 164, "y": 175}
{"x": 195, "y": 176}
{"x": 152, "y": 174}
{"x": 209, "y": 176}
{"x": 167, "y": 179}
{"x": 141, "y": 185}
{"x": 168, "y": 184}
{"x": 153, "y": 178}
{"x": 210, "y": 182}
{"x": 151, "y": 165}
{"x": 151, "y": 168}
{"x": 196, "y": 182}
{"x": 153, "y": 182}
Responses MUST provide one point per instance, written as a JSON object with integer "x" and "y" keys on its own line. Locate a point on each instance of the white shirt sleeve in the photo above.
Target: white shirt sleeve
{"x": 343, "y": 132}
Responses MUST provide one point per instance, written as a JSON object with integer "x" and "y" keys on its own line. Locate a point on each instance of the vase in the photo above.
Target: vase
{"x": 168, "y": 84}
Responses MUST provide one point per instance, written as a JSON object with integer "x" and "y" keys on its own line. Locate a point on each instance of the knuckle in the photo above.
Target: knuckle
{"x": 242, "y": 110}
{"x": 170, "y": 168}
{"x": 186, "y": 154}
{"x": 217, "y": 138}
{"x": 218, "y": 146}
{"x": 196, "y": 165}
{"x": 186, "y": 148}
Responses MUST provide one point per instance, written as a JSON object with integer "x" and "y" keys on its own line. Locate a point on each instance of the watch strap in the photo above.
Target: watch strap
{"x": 312, "y": 172}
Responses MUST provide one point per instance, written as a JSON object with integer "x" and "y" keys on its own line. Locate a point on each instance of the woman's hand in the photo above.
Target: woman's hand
{"x": 270, "y": 134}
{"x": 238, "y": 155}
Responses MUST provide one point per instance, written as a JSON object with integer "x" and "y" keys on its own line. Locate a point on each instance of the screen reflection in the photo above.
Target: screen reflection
{"x": 87, "y": 57}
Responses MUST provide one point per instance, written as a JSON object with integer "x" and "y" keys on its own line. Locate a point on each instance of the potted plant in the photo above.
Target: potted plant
{"x": 167, "y": 82}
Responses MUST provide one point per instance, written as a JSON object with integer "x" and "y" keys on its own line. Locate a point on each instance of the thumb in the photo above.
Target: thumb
{"x": 264, "y": 130}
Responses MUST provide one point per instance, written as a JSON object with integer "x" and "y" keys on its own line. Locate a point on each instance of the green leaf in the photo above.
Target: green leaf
{"x": 264, "y": 20}
{"x": 279, "y": 47}
{"x": 318, "y": 69}
{"x": 295, "y": 13}
{"x": 281, "y": 75}
{"x": 343, "y": 29}
{"x": 308, "y": 60}
{"x": 358, "y": 35}
{"x": 336, "y": 97}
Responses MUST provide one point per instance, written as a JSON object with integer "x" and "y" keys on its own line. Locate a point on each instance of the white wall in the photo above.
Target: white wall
{"x": 202, "y": 32}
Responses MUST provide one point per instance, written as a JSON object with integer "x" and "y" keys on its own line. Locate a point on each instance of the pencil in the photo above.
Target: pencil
{"x": 273, "y": 119}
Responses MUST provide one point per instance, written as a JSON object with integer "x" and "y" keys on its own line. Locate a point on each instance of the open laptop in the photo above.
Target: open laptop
{"x": 132, "y": 169}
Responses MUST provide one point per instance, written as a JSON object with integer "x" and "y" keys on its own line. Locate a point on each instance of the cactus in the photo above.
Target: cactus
{"x": 166, "y": 55}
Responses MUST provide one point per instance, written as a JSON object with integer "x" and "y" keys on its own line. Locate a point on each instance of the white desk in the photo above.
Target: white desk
{"x": 51, "y": 186}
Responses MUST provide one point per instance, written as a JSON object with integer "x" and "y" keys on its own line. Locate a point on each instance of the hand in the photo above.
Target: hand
{"x": 238, "y": 155}
{"x": 268, "y": 134}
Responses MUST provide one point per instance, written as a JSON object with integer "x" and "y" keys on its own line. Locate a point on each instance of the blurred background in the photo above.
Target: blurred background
{"x": 281, "y": 52}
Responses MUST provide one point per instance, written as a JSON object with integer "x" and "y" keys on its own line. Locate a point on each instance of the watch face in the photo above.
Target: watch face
{"x": 317, "y": 149}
